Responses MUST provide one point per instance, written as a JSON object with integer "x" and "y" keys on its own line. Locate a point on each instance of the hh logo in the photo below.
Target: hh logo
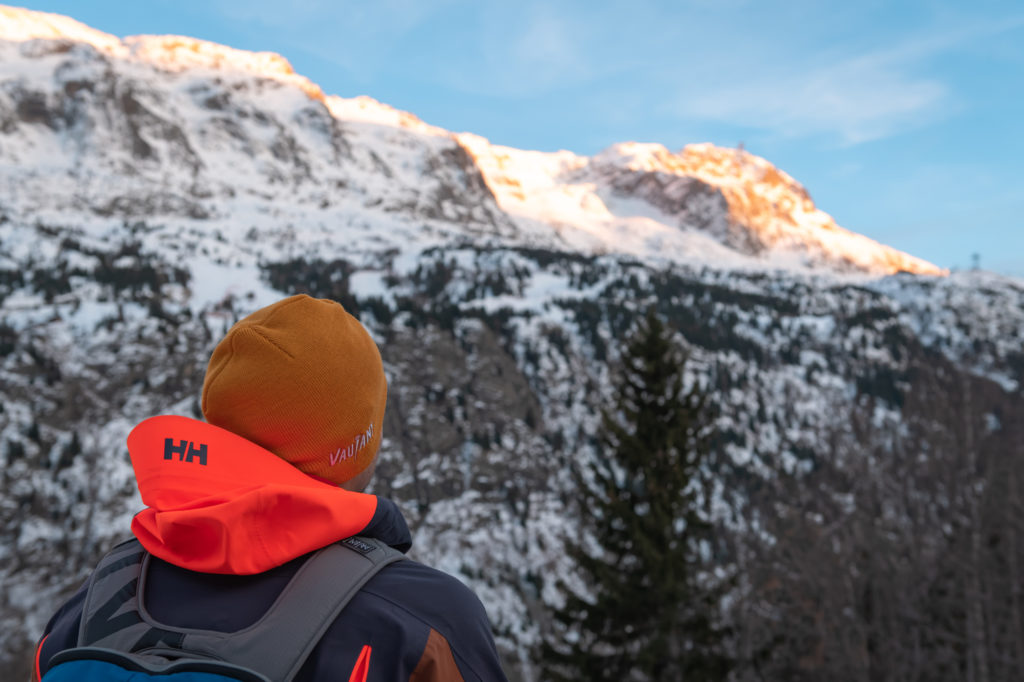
{"x": 186, "y": 451}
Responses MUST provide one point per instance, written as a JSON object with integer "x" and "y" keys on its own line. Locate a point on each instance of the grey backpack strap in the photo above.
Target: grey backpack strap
{"x": 276, "y": 646}
{"x": 110, "y": 613}
{"x": 281, "y": 641}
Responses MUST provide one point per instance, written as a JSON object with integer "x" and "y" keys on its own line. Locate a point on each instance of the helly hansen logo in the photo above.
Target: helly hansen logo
{"x": 186, "y": 451}
{"x": 342, "y": 454}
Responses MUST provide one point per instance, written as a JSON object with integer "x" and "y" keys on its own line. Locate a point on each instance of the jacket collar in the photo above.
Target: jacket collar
{"x": 218, "y": 503}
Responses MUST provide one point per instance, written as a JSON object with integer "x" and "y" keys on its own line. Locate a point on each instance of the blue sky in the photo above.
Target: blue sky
{"x": 903, "y": 118}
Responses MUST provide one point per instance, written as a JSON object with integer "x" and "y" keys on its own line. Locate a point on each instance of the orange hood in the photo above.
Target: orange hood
{"x": 218, "y": 503}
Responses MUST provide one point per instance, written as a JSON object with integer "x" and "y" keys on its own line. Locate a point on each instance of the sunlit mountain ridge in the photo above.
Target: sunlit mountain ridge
{"x": 725, "y": 208}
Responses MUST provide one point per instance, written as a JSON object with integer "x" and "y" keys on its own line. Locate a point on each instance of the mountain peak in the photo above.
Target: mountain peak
{"x": 721, "y": 165}
{"x": 775, "y": 211}
{"x": 166, "y": 52}
{"x": 19, "y": 25}
{"x": 637, "y": 156}
{"x": 366, "y": 109}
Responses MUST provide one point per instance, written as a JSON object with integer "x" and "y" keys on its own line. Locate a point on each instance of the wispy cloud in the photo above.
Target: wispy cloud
{"x": 501, "y": 50}
{"x": 364, "y": 39}
{"x": 741, "y": 63}
{"x": 857, "y": 100}
{"x": 547, "y": 46}
{"x": 854, "y": 97}
{"x": 516, "y": 52}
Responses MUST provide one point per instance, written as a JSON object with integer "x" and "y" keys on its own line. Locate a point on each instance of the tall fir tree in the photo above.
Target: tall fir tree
{"x": 644, "y": 546}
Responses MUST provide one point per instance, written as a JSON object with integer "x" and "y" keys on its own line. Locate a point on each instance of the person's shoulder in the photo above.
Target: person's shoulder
{"x": 449, "y": 608}
{"x": 439, "y": 598}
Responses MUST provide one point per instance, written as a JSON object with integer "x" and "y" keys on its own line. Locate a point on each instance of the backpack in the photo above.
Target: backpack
{"x": 119, "y": 642}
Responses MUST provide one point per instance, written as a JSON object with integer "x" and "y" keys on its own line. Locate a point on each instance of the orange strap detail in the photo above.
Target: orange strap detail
{"x": 36, "y": 674}
{"x": 362, "y": 669}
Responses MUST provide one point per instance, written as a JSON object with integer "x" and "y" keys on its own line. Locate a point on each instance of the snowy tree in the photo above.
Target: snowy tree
{"x": 644, "y": 551}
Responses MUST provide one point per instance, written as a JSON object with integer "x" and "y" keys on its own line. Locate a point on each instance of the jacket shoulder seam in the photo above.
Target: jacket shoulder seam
{"x": 451, "y": 645}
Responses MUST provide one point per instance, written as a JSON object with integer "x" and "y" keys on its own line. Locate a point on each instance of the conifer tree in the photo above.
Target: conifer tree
{"x": 648, "y": 617}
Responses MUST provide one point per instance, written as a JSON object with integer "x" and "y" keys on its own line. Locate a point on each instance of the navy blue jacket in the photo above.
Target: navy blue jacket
{"x": 421, "y": 624}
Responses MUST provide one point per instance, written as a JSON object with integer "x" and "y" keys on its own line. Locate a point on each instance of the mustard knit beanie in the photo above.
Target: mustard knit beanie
{"x": 303, "y": 379}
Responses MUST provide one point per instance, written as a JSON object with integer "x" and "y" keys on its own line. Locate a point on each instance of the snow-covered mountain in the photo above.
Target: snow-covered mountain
{"x": 153, "y": 189}
{"x": 162, "y": 127}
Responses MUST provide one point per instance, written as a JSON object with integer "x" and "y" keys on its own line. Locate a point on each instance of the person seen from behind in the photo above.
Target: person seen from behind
{"x": 293, "y": 400}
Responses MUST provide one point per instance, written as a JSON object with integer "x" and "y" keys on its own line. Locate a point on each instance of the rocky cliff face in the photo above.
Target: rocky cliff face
{"x": 156, "y": 189}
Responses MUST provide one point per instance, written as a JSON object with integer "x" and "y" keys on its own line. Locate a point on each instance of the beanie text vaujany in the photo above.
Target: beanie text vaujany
{"x": 342, "y": 454}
